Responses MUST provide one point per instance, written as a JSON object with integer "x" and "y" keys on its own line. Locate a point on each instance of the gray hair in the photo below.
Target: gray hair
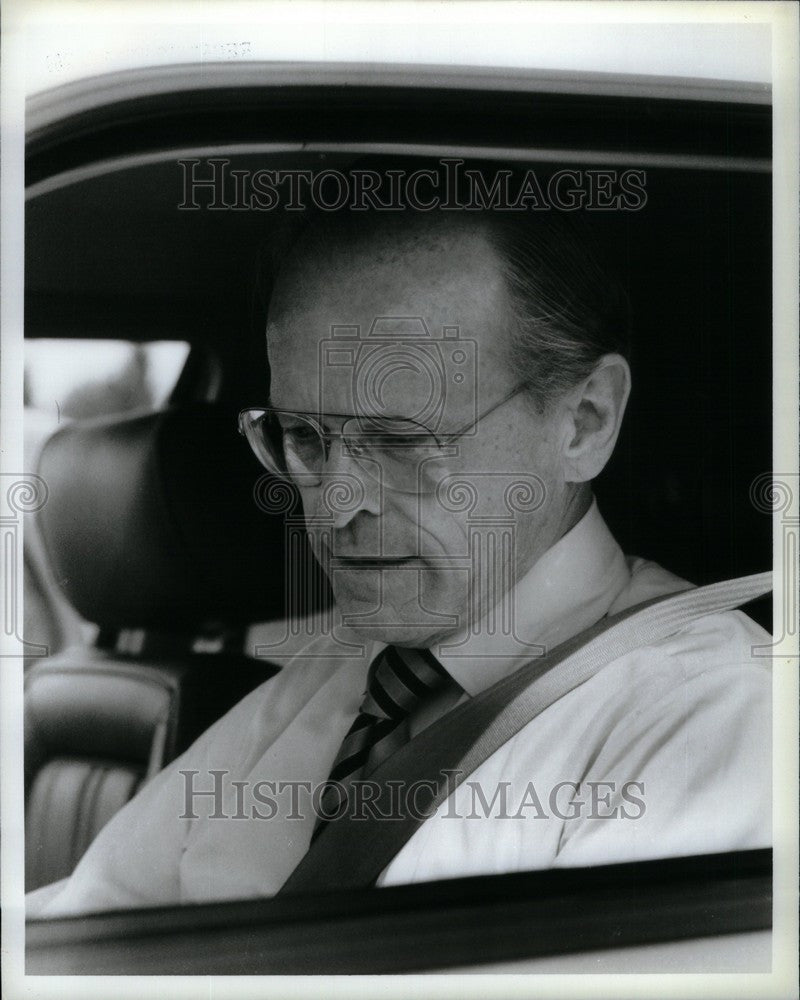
{"x": 569, "y": 309}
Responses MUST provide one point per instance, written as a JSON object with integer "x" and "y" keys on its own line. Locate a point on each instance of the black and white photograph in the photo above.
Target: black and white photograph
{"x": 400, "y": 499}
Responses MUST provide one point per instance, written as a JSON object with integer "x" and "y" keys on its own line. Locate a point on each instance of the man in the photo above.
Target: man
{"x": 443, "y": 391}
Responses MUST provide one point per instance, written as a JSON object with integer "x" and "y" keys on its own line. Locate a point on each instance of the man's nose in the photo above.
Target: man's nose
{"x": 346, "y": 489}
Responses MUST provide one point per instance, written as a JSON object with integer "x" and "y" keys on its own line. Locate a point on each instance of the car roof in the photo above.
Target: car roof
{"x": 93, "y": 92}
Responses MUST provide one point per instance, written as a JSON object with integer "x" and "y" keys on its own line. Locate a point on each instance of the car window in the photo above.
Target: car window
{"x": 80, "y": 379}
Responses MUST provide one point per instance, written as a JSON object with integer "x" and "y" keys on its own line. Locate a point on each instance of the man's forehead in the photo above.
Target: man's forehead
{"x": 396, "y": 367}
{"x": 378, "y": 324}
{"x": 450, "y": 277}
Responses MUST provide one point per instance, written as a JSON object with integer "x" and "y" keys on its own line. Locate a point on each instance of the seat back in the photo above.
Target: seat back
{"x": 154, "y": 535}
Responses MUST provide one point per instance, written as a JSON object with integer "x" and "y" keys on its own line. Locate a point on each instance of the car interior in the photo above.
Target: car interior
{"x": 153, "y": 565}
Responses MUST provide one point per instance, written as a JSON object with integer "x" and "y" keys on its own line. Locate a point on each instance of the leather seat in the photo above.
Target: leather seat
{"x": 98, "y": 726}
{"x": 153, "y": 533}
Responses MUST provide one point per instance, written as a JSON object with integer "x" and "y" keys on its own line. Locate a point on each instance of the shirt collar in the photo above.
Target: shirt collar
{"x": 568, "y": 589}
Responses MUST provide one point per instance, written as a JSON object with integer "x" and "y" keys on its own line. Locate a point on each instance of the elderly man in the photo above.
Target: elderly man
{"x": 444, "y": 389}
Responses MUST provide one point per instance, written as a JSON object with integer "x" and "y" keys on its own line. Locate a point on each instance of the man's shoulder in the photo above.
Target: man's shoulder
{"x": 717, "y": 639}
{"x": 646, "y": 580}
{"x": 711, "y": 670}
{"x": 706, "y": 677}
{"x": 714, "y": 657}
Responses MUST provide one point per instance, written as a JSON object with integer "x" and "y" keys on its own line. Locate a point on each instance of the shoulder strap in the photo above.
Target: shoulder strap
{"x": 352, "y": 851}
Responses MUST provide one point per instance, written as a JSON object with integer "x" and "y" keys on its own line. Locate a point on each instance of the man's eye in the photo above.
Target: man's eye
{"x": 299, "y": 433}
{"x": 301, "y": 440}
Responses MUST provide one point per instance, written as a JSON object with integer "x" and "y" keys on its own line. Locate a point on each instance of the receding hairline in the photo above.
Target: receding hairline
{"x": 388, "y": 236}
{"x": 373, "y": 239}
{"x": 566, "y": 309}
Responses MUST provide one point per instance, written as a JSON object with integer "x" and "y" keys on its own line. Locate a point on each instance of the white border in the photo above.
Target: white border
{"x": 114, "y": 35}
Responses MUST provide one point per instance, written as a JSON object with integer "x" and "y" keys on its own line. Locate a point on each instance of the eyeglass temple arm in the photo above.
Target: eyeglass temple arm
{"x": 448, "y": 438}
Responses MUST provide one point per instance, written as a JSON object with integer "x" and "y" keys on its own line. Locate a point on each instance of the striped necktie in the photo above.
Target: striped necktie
{"x": 399, "y": 681}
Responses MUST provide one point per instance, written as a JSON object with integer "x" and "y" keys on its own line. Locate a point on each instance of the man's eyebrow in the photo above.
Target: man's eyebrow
{"x": 310, "y": 413}
{"x": 283, "y": 409}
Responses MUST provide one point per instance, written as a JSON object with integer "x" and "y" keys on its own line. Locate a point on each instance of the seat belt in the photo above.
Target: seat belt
{"x": 354, "y": 849}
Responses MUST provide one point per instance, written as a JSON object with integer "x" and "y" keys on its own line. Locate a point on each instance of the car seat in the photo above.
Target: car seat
{"x": 153, "y": 533}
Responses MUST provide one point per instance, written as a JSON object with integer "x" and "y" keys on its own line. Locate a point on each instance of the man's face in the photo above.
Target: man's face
{"x": 429, "y": 552}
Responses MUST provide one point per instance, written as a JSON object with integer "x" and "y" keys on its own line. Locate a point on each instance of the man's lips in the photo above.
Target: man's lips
{"x": 372, "y": 562}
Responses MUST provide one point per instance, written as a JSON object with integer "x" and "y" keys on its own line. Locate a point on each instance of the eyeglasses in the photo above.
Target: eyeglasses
{"x": 399, "y": 453}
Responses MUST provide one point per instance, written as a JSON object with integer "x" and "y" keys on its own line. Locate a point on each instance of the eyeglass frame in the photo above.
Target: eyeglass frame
{"x": 327, "y": 436}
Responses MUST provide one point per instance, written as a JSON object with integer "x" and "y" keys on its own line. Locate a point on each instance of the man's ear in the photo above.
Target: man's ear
{"x": 593, "y": 412}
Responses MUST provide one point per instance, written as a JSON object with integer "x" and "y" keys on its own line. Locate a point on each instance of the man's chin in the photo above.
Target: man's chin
{"x": 378, "y": 613}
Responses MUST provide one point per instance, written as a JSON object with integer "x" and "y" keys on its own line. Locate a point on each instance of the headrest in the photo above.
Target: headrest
{"x": 151, "y": 522}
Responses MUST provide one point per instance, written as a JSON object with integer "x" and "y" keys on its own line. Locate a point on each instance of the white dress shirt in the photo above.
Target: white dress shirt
{"x": 664, "y": 752}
